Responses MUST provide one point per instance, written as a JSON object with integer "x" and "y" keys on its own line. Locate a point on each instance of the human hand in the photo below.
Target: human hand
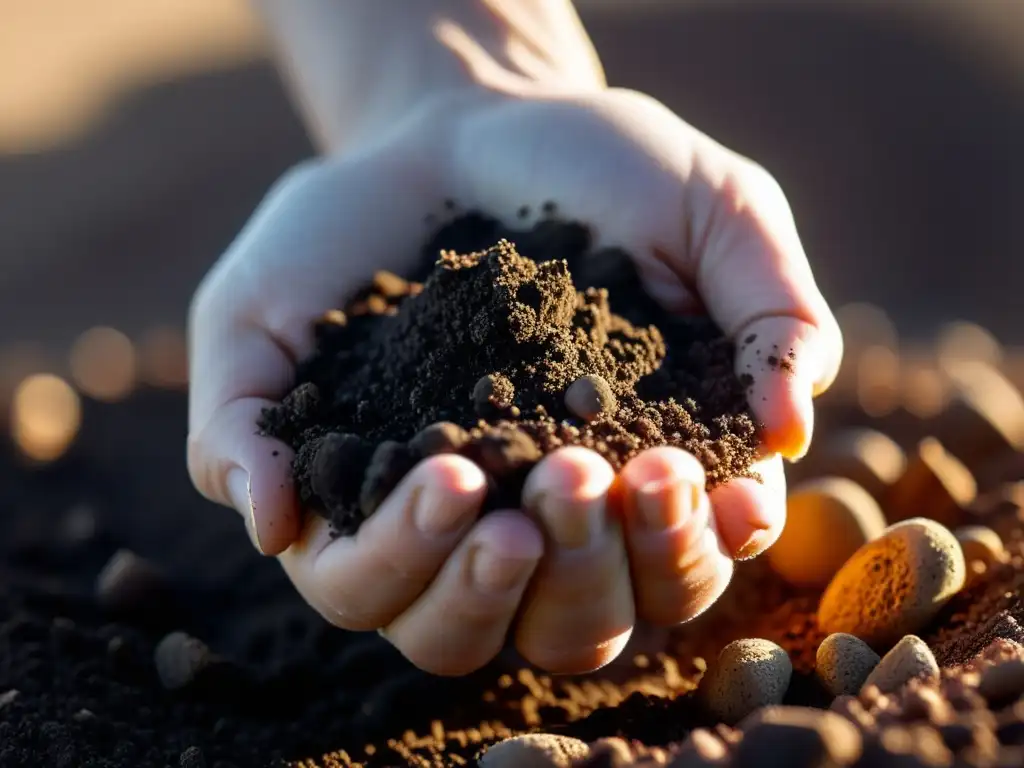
{"x": 708, "y": 229}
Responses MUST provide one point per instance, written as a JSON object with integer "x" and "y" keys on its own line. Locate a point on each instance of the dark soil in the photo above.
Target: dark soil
{"x": 504, "y": 354}
{"x": 224, "y": 665}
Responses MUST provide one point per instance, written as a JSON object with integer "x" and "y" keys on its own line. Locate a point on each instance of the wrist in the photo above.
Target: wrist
{"x": 356, "y": 66}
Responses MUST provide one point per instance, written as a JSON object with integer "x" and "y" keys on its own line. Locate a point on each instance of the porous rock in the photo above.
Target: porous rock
{"x": 894, "y": 585}
{"x": 534, "y": 750}
{"x": 748, "y": 674}
{"x": 843, "y": 663}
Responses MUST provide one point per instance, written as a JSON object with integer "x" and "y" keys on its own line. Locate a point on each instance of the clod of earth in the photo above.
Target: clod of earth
{"x": 504, "y": 355}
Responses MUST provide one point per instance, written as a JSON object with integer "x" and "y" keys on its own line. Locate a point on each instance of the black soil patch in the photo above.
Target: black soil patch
{"x": 503, "y": 354}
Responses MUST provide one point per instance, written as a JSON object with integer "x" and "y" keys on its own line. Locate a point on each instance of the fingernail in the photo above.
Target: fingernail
{"x": 665, "y": 504}
{"x": 240, "y": 489}
{"x": 755, "y": 545}
{"x": 492, "y": 572}
{"x": 437, "y": 511}
{"x": 572, "y": 523}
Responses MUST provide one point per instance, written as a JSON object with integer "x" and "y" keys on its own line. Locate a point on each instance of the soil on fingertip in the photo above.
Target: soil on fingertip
{"x": 505, "y": 347}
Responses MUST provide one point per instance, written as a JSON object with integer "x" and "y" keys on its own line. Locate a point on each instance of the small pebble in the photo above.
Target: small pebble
{"x": 7, "y": 698}
{"x": 390, "y": 285}
{"x": 797, "y": 737}
{"x": 1002, "y": 683}
{"x": 980, "y": 544}
{"x": 128, "y": 582}
{"x": 83, "y": 716}
{"x": 985, "y": 416}
{"x": 492, "y": 394}
{"x": 827, "y": 521}
{"x": 893, "y": 586}
{"x": 534, "y": 750}
{"x": 192, "y": 757}
{"x": 910, "y": 658}
{"x": 442, "y": 437}
{"x": 868, "y": 457}
{"x": 935, "y": 484}
{"x": 843, "y": 663}
{"x": 748, "y": 674}
{"x": 701, "y": 749}
{"x": 179, "y": 659}
{"x": 590, "y": 396}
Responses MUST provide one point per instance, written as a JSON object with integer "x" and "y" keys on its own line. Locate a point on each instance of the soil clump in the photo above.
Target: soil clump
{"x": 515, "y": 344}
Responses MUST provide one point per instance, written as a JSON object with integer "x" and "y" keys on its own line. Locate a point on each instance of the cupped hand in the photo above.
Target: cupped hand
{"x": 709, "y": 230}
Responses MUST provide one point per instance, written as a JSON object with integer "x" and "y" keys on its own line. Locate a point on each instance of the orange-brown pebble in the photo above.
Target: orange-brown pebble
{"x": 894, "y": 585}
{"x": 868, "y": 457}
{"x": 980, "y": 544}
{"x": 910, "y": 658}
{"x": 985, "y": 416}
{"x": 748, "y": 674}
{"x": 828, "y": 519}
{"x": 935, "y": 484}
{"x": 805, "y": 736}
{"x": 590, "y": 396}
{"x": 843, "y": 662}
{"x": 534, "y": 750}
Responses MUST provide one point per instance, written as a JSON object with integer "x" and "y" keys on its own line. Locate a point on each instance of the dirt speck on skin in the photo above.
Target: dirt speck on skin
{"x": 527, "y": 344}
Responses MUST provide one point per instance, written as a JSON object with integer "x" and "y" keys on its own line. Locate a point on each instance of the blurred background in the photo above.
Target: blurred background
{"x": 137, "y": 137}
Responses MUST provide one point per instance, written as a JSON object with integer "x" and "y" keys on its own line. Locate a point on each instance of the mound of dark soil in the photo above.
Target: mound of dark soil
{"x": 504, "y": 355}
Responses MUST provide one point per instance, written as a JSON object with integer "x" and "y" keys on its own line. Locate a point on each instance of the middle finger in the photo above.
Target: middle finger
{"x": 578, "y": 613}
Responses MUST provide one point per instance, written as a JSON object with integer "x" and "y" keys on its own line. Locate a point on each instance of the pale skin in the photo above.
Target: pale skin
{"x": 499, "y": 104}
